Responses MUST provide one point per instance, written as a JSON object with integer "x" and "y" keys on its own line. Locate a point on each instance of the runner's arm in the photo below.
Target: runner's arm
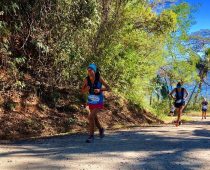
{"x": 85, "y": 87}
{"x": 171, "y": 94}
{"x": 106, "y": 86}
{"x": 186, "y": 93}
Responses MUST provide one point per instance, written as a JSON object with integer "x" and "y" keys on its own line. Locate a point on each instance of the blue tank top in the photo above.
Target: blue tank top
{"x": 95, "y": 98}
{"x": 179, "y": 94}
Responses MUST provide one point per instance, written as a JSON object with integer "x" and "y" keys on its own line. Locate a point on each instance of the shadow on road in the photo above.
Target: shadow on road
{"x": 165, "y": 152}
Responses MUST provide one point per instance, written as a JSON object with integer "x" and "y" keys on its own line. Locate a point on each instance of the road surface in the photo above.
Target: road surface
{"x": 147, "y": 148}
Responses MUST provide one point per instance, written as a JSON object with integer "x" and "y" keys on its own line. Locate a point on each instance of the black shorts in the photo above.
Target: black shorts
{"x": 204, "y": 110}
{"x": 178, "y": 105}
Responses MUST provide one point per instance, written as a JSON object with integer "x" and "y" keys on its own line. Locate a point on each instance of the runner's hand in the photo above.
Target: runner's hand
{"x": 97, "y": 90}
{"x": 87, "y": 88}
{"x": 173, "y": 97}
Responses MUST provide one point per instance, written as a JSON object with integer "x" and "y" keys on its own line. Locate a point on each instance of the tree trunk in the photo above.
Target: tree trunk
{"x": 190, "y": 97}
{"x": 201, "y": 75}
{"x": 198, "y": 92}
{"x": 150, "y": 100}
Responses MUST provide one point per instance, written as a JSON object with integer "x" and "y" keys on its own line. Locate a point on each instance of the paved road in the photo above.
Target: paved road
{"x": 156, "y": 148}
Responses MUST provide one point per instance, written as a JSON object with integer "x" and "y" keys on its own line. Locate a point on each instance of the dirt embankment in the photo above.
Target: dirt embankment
{"x": 41, "y": 110}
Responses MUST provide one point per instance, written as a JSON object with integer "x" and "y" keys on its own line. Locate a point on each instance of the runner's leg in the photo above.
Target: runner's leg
{"x": 91, "y": 118}
{"x": 178, "y": 116}
{"x": 97, "y": 123}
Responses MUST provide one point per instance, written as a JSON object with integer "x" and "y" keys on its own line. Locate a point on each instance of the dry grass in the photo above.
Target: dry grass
{"x": 170, "y": 119}
{"x": 195, "y": 113}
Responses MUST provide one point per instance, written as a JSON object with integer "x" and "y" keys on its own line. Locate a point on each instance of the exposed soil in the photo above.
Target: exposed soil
{"x": 41, "y": 110}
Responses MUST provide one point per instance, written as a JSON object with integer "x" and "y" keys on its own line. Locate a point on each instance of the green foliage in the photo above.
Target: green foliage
{"x": 42, "y": 107}
{"x": 55, "y": 96}
{"x": 19, "y": 85}
{"x": 195, "y": 106}
{"x": 71, "y": 121}
{"x": 32, "y": 124}
{"x": 207, "y": 58}
{"x": 161, "y": 108}
{"x": 129, "y": 41}
{"x": 182, "y": 60}
{"x": 9, "y": 105}
{"x": 136, "y": 52}
{"x": 4, "y": 37}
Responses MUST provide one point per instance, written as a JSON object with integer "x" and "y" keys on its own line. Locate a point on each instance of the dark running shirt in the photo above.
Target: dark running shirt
{"x": 204, "y": 103}
{"x": 179, "y": 95}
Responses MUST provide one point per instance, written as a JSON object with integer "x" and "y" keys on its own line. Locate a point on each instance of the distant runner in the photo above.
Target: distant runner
{"x": 93, "y": 86}
{"x": 180, "y": 96}
{"x": 172, "y": 110}
{"x": 204, "y": 108}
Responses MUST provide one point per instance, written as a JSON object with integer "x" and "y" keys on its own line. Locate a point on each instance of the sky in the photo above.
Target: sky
{"x": 202, "y": 15}
{"x": 202, "y": 18}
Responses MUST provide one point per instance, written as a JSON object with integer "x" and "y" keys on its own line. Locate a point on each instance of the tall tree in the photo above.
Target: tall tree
{"x": 203, "y": 67}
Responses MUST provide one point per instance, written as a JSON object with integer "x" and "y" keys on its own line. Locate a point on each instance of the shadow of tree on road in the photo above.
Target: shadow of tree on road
{"x": 164, "y": 152}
